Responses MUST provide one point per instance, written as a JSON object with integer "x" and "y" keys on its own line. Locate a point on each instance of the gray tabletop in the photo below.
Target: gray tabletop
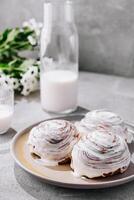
{"x": 95, "y": 91}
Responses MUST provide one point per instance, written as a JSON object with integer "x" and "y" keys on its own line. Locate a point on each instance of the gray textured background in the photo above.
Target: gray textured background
{"x": 106, "y": 30}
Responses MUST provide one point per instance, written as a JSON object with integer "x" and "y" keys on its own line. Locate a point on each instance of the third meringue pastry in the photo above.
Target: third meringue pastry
{"x": 100, "y": 154}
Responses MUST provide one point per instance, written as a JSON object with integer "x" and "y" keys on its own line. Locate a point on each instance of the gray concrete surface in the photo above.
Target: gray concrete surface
{"x": 95, "y": 91}
{"x": 106, "y": 31}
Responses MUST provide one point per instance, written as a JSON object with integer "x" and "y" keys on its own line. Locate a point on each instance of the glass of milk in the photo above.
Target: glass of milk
{"x": 6, "y": 108}
{"x": 59, "y": 58}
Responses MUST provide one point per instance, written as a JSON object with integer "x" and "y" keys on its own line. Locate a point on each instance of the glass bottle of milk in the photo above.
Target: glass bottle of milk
{"x": 6, "y": 107}
{"x": 59, "y": 58}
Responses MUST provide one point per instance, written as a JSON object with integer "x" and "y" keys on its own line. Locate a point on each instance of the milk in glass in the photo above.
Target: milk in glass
{"x": 6, "y": 114}
{"x": 6, "y": 107}
{"x": 59, "y": 90}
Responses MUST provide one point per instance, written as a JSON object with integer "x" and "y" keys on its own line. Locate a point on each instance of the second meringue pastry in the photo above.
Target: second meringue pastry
{"x": 102, "y": 119}
{"x": 52, "y": 141}
{"x": 100, "y": 154}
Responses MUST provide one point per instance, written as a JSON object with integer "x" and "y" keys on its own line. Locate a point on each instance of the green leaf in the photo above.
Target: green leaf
{"x": 3, "y": 66}
{"x": 4, "y": 35}
{"x": 12, "y": 42}
{"x": 12, "y": 34}
{"x": 8, "y": 36}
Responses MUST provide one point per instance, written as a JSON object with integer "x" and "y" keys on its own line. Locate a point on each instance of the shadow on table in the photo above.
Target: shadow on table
{"x": 42, "y": 191}
{"x": 5, "y": 140}
{"x": 80, "y": 110}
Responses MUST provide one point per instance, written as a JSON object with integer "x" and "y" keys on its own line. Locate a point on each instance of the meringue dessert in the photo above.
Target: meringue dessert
{"x": 100, "y": 154}
{"x": 52, "y": 141}
{"x": 102, "y": 119}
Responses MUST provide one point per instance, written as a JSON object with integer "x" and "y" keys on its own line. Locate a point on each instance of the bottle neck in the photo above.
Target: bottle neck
{"x": 69, "y": 11}
{"x": 58, "y": 11}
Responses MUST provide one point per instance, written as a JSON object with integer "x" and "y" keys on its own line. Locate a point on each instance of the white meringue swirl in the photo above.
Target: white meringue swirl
{"x": 102, "y": 119}
{"x": 53, "y": 141}
{"x": 100, "y": 154}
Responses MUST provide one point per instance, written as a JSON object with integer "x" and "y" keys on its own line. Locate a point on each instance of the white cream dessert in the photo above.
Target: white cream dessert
{"x": 52, "y": 141}
{"x": 102, "y": 119}
{"x": 100, "y": 154}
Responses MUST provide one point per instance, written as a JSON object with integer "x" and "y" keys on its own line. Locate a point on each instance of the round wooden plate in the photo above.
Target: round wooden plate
{"x": 62, "y": 175}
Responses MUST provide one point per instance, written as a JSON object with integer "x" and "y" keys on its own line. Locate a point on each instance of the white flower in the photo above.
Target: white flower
{"x": 5, "y": 81}
{"x": 38, "y": 63}
{"x": 29, "y": 86}
{"x": 16, "y": 83}
{"x": 32, "y": 40}
{"x": 9, "y": 82}
{"x": 34, "y": 26}
{"x": 30, "y": 81}
{"x": 32, "y": 71}
{"x": 26, "y": 24}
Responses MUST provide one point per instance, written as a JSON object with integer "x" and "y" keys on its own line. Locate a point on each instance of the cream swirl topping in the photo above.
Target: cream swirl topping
{"x": 53, "y": 140}
{"x": 99, "y": 154}
{"x": 102, "y": 119}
